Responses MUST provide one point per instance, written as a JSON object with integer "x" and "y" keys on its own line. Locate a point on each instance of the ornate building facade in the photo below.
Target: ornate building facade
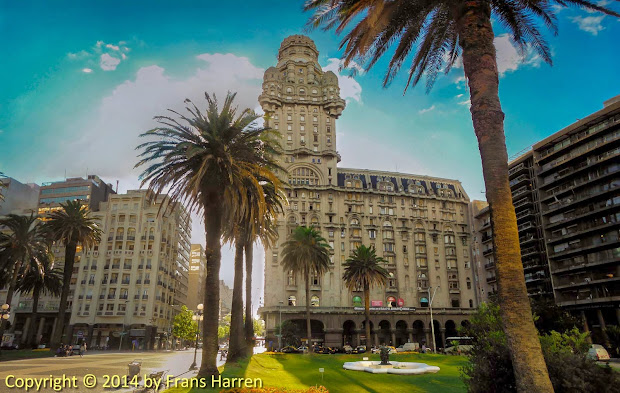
{"x": 419, "y": 224}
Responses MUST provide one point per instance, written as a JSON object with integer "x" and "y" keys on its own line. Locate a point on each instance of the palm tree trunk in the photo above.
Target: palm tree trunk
{"x": 367, "y": 313}
{"x": 213, "y": 252}
{"x": 70, "y": 250}
{"x": 236, "y": 349}
{"x": 480, "y": 65}
{"x": 308, "y": 323}
{"x": 9, "y": 294}
{"x": 32, "y": 334}
{"x": 249, "y": 318}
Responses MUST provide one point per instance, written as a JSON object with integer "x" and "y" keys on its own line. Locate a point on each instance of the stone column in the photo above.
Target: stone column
{"x": 333, "y": 337}
{"x": 54, "y": 324}
{"x": 601, "y": 321}
{"x": 442, "y": 344}
{"x": 40, "y": 331}
{"x": 410, "y": 334}
{"x": 393, "y": 334}
{"x": 89, "y": 337}
{"x": 26, "y": 330}
{"x": 376, "y": 339}
{"x": 427, "y": 334}
{"x": 357, "y": 338}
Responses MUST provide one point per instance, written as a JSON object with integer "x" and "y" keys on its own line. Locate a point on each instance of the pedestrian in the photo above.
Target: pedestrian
{"x": 83, "y": 349}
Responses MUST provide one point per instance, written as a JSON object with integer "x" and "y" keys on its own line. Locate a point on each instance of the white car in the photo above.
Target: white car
{"x": 598, "y": 352}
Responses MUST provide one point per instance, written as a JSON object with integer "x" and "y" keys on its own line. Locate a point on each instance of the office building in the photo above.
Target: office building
{"x": 197, "y": 275}
{"x": 418, "y": 223}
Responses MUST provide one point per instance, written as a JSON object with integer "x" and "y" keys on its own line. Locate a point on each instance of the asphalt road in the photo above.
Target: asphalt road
{"x": 108, "y": 368}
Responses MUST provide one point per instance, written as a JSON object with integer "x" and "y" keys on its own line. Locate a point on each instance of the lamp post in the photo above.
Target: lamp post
{"x": 430, "y": 306}
{"x": 198, "y": 318}
{"x": 280, "y": 327}
{"x": 5, "y": 314}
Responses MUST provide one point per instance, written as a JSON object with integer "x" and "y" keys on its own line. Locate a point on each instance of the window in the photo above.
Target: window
{"x": 423, "y": 302}
{"x": 292, "y": 301}
{"x": 471, "y": 303}
{"x": 315, "y": 279}
{"x": 291, "y": 278}
{"x": 304, "y": 176}
{"x": 372, "y": 233}
{"x": 456, "y": 303}
{"x": 314, "y": 301}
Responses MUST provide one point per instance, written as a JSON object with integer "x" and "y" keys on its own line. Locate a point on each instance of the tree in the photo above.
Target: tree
{"x": 362, "y": 270}
{"x": 306, "y": 252}
{"x": 613, "y": 334}
{"x": 437, "y": 33}
{"x": 549, "y": 316}
{"x": 206, "y": 160}
{"x": 291, "y": 334}
{"x": 183, "y": 326}
{"x": 40, "y": 280}
{"x": 258, "y": 326}
{"x": 22, "y": 247}
{"x": 252, "y": 222}
{"x": 71, "y": 226}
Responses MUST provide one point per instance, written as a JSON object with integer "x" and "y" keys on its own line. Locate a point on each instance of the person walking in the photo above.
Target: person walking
{"x": 83, "y": 349}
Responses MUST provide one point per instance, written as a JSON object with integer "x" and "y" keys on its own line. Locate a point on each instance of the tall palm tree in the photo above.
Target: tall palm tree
{"x": 71, "y": 225}
{"x": 306, "y": 252}
{"x": 40, "y": 280}
{"x": 437, "y": 33}
{"x": 22, "y": 247}
{"x": 206, "y": 159}
{"x": 363, "y": 270}
{"x": 252, "y": 222}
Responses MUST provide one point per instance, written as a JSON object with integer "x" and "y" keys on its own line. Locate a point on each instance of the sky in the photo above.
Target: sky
{"x": 80, "y": 80}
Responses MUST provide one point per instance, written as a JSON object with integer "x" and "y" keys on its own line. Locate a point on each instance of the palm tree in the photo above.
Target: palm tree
{"x": 72, "y": 225}
{"x": 22, "y": 247}
{"x": 306, "y": 252}
{"x": 207, "y": 160}
{"x": 438, "y": 32}
{"x": 252, "y": 222}
{"x": 363, "y": 270}
{"x": 40, "y": 280}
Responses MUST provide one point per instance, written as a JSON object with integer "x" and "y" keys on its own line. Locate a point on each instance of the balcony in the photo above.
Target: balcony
{"x": 151, "y": 237}
{"x": 519, "y": 192}
{"x": 516, "y": 169}
{"x": 145, "y": 296}
{"x": 525, "y": 227}
{"x": 101, "y": 296}
{"x": 113, "y": 281}
{"x": 491, "y": 279}
{"x": 490, "y": 265}
{"x": 116, "y": 266}
{"x": 125, "y": 282}
{"x": 518, "y": 180}
{"x": 487, "y": 252}
{"x": 119, "y": 237}
{"x": 131, "y": 238}
{"x": 486, "y": 238}
{"x": 123, "y": 297}
{"x": 138, "y": 281}
{"x": 136, "y": 297}
{"x": 127, "y": 267}
{"x": 89, "y": 297}
{"x": 111, "y": 296}
{"x": 104, "y": 281}
{"x": 91, "y": 282}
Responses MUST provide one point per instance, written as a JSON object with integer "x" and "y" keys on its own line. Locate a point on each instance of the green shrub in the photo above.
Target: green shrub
{"x": 490, "y": 367}
{"x": 318, "y": 389}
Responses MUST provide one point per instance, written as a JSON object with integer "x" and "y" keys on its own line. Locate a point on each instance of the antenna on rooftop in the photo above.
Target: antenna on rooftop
{"x": 117, "y": 186}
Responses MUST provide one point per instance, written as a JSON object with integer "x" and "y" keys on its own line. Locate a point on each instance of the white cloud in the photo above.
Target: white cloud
{"x": 426, "y": 110}
{"x": 113, "y": 47}
{"x": 87, "y": 70}
{"x": 508, "y": 57}
{"x": 602, "y": 3}
{"x": 108, "y": 63}
{"x": 78, "y": 55}
{"x": 465, "y": 102}
{"x": 350, "y": 89}
{"x": 589, "y": 24}
{"x": 459, "y": 95}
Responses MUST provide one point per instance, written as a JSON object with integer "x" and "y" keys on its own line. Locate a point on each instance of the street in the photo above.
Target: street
{"x": 102, "y": 364}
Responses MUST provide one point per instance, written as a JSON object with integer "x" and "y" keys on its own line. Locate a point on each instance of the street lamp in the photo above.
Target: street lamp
{"x": 430, "y": 306}
{"x": 280, "y": 327}
{"x": 198, "y": 318}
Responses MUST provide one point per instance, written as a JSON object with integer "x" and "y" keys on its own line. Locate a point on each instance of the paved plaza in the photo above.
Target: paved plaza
{"x": 99, "y": 364}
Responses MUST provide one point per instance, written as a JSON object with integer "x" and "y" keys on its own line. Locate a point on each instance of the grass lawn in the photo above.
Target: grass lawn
{"x": 24, "y": 354}
{"x": 297, "y": 371}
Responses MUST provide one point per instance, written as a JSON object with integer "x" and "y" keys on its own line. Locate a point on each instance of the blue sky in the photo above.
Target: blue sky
{"x": 80, "y": 80}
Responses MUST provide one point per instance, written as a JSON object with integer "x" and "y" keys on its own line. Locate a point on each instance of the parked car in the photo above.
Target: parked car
{"x": 598, "y": 352}
{"x": 347, "y": 349}
{"x": 408, "y": 347}
{"x": 359, "y": 349}
{"x": 302, "y": 349}
{"x": 289, "y": 349}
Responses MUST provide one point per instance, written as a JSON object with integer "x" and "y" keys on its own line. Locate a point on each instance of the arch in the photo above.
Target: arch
{"x": 418, "y": 332}
{"x": 423, "y": 302}
{"x": 451, "y": 329}
{"x": 314, "y": 220}
{"x": 348, "y": 332}
{"x": 292, "y": 219}
{"x": 304, "y": 175}
{"x": 401, "y": 334}
{"x": 387, "y": 223}
{"x": 354, "y": 221}
{"x": 384, "y": 333}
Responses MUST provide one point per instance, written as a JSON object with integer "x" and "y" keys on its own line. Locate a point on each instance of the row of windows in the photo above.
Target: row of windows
{"x": 64, "y": 199}
{"x": 63, "y": 190}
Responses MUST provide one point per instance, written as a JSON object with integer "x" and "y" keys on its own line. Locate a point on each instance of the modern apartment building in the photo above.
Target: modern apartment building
{"x": 525, "y": 198}
{"x": 18, "y": 198}
{"x": 197, "y": 275}
{"x": 419, "y": 224}
{"x": 127, "y": 287}
{"x": 91, "y": 191}
{"x": 483, "y": 257}
{"x": 578, "y": 175}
